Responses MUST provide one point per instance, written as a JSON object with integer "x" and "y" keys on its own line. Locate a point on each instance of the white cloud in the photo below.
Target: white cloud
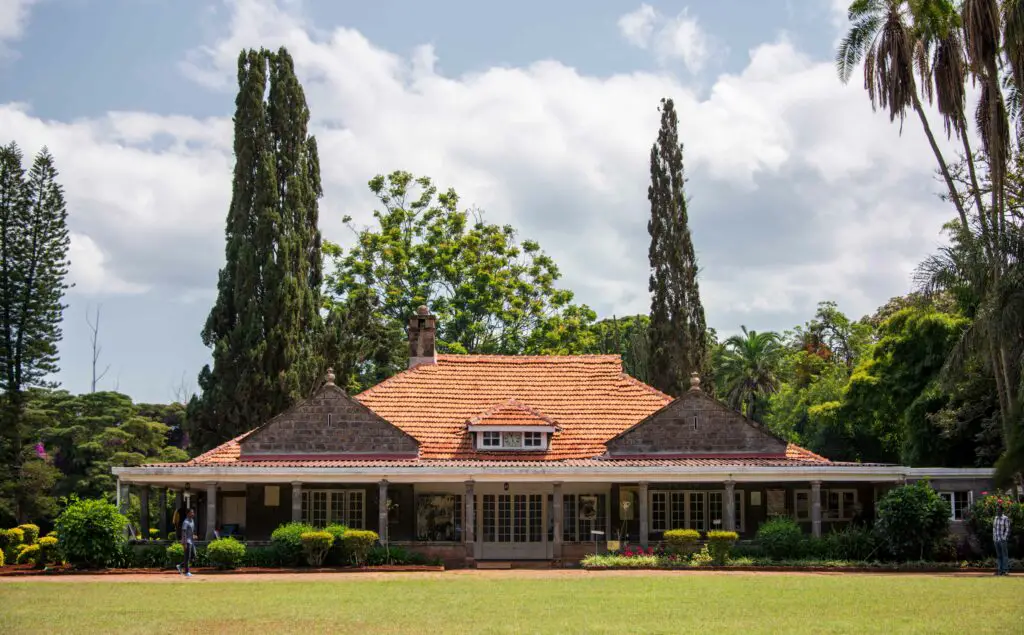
{"x": 799, "y": 193}
{"x": 89, "y": 272}
{"x": 13, "y": 18}
{"x": 670, "y": 39}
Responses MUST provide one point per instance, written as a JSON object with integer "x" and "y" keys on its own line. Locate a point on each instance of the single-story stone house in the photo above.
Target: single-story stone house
{"x": 481, "y": 457}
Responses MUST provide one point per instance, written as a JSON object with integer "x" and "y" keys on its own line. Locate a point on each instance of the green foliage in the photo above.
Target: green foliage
{"x": 357, "y": 544}
{"x": 747, "y": 371}
{"x": 263, "y": 557}
{"x": 981, "y": 514}
{"x": 850, "y": 543}
{"x": 780, "y": 538}
{"x": 3, "y": 558}
{"x": 265, "y": 326}
{"x": 28, "y": 554}
{"x": 491, "y": 292}
{"x": 10, "y": 538}
{"x": 287, "y": 539}
{"x": 681, "y": 540}
{"x": 316, "y": 544}
{"x": 34, "y": 242}
{"x": 30, "y": 531}
{"x": 720, "y": 544}
{"x": 912, "y": 520}
{"x": 174, "y": 554}
{"x": 225, "y": 553}
{"x": 628, "y": 337}
{"x": 619, "y": 561}
{"x": 678, "y": 332}
{"x": 91, "y": 533}
{"x": 397, "y": 556}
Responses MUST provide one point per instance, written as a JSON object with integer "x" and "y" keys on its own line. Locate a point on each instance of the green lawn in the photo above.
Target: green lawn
{"x": 478, "y": 604}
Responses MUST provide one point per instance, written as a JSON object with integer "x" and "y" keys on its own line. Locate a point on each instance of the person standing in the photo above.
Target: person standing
{"x": 1001, "y": 537}
{"x": 188, "y": 535}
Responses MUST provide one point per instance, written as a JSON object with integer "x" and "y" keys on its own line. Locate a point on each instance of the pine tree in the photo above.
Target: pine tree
{"x": 676, "y": 336}
{"x": 34, "y": 263}
{"x": 265, "y": 326}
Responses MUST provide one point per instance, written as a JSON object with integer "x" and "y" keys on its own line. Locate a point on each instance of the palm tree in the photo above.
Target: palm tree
{"x": 748, "y": 370}
{"x": 884, "y": 37}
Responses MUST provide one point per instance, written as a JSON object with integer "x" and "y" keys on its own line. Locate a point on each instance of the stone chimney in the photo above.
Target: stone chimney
{"x": 421, "y": 338}
{"x": 694, "y": 382}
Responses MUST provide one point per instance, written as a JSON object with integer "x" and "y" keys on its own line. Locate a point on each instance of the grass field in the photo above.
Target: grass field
{"x": 759, "y": 603}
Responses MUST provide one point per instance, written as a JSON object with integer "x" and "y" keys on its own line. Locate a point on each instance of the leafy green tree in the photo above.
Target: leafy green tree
{"x": 677, "y": 334}
{"x": 748, "y": 370}
{"x": 265, "y": 328}
{"x": 33, "y": 265}
{"x": 912, "y": 519}
{"x": 492, "y": 293}
{"x": 628, "y": 337}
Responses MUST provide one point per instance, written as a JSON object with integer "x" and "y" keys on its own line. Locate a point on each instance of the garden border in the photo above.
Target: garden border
{"x": 67, "y": 571}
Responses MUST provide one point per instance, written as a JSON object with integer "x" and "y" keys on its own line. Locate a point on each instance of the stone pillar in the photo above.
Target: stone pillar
{"x": 729, "y": 505}
{"x": 557, "y": 508}
{"x": 382, "y": 511}
{"x": 123, "y": 495}
{"x": 468, "y": 528}
{"x": 144, "y": 512}
{"x": 296, "y": 502}
{"x": 211, "y": 510}
{"x": 179, "y": 503}
{"x": 642, "y": 511}
{"x": 816, "y": 508}
{"x": 162, "y": 521}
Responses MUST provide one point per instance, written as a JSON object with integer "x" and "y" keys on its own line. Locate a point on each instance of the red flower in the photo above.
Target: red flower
{"x": 984, "y": 493}
{"x": 629, "y": 554}
{"x": 650, "y": 551}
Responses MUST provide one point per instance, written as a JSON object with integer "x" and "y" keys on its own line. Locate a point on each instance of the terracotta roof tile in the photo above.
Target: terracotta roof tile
{"x": 588, "y": 397}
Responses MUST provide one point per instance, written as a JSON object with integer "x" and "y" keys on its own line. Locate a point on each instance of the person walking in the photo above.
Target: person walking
{"x": 1001, "y": 536}
{"x": 188, "y": 534}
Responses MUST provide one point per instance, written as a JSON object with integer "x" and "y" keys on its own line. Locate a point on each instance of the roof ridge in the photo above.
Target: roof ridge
{"x": 519, "y": 359}
{"x": 510, "y": 404}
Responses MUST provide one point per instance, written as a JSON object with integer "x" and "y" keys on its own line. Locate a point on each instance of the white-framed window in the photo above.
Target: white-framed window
{"x": 511, "y": 440}
{"x": 325, "y": 507}
{"x": 686, "y": 509}
{"x": 836, "y": 504}
{"x": 581, "y": 514}
{"x": 959, "y": 503}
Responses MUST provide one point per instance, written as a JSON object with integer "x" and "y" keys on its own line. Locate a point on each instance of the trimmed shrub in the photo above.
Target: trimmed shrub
{"x": 681, "y": 540}
{"x": 174, "y": 554}
{"x": 3, "y": 560}
{"x": 620, "y": 561}
{"x": 225, "y": 553}
{"x": 261, "y": 557}
{"x": 720, "y": 544}
{"x": 912, "y": 520}
{"x": 336, "y": 556}
{"x": 27, "y": 554}
{"x": 10, "y": 538}
{"x": 287, "y": 539}
{"x": 47, "y": 550}
{"x": 780, "y": 538}
{"x": 316, "y": 544}
{"x": 357, "y": 544}
{"x": 851, "y": 543}
{"x": 397, "y": 555}
{"x": 91, "y": 532}
{"x": 30, "y": 532}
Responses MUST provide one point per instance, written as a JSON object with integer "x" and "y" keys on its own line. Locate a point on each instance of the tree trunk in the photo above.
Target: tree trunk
{"x": 943, "y": 168}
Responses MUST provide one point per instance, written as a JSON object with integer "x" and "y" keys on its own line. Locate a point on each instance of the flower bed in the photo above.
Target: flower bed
{"x": 650, "y": 559}
{"x": 28, "y": 570}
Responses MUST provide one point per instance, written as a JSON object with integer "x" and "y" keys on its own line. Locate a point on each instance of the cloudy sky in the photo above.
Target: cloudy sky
{"x": 541, "y": 113}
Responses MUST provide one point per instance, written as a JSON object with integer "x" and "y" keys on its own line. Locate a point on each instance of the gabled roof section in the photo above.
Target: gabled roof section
{"x": 330, "y": 423}
{"x": 513, "y": 413}
{"x": 589, "y": 397}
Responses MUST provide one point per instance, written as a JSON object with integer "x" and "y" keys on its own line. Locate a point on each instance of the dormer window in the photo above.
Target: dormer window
{"x": 533, "y": 439}
{"x": 512, "y": 426}
{"x": 490, "y": 439}
{"x": 511, "y": 440}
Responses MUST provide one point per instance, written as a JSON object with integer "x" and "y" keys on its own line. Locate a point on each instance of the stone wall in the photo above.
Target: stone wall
{"x": 696, "y": 424}
{"x": 330, "y": 422}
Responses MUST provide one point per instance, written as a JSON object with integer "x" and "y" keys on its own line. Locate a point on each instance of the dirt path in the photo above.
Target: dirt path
{"x": 199, "y": 578}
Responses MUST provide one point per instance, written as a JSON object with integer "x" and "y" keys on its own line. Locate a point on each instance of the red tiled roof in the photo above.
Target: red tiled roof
{"x": 588, "y": 397}
{"x": 511, "y": 413}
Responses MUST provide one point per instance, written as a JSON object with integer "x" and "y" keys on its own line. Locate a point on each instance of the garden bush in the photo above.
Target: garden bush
{"x": 287, "y": 539}
{"x": 850, "y": 543}
{"x": 336, "y": 555}
{"x": 397, "y": 555}
{"x": 10, "y": 538}
{"x": 225, "y": 553}
{"x": 28, "y": 554}
{"x": 145, "y": 556}
{"x": 981, "y": 514}
{"x": 48, "y": 550}
{"x": 91, "y": 533}
{"x": 3, "y": 559}
{"x": 316, "y": 544}
{"x": 357, "y": 544}
{"x": 263, "y": 557}
{"x": 30, "y": 532}
{"x": 618, "y": 560}
{"x": 681, "y": 541}
{"x": 912, "y": 520}
{"x": 720, "y": 544}
{"x": 174, "y": 554}
{"x": 781, "y": 539}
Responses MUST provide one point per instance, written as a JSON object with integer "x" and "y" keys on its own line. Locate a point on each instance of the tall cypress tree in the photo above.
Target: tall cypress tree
{"x": 677, "y": 333}
{"x": 34, "y": 244}
{"x": 265, "y": 326}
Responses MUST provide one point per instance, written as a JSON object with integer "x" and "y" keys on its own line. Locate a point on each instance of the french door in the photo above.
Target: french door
{"x": 512, "y": 526}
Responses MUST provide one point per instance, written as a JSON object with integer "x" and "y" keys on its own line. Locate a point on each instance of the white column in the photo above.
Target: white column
{"x": 557, "y": 504}
{"x": 211, "y": 511}
{"x": 816, "y": 508}
{"x": 730, "y": 506}
{"x": 468, "y": 528}
{"x": 144, "y": 512}
{"x": 382, "y": 511}
{"x": 643, "y": 514}
{"x": 296, "y": 502}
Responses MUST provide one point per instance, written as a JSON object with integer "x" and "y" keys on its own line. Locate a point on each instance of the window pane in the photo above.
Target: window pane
{"x": 569, "y": 518}
{"x": 490, "y": 512}
{"x": 318, "y": 509}
{"x": 678, "y": 511}
{"x": 532, "y": 439}
{"x": 803, "y": 505}
{"x": 697, "y": 519}
{"x": 536, "y": 511}
{"x": 504, "y": 522}
{"x": 492, "y": 439}
{"x": 305, "y": 507}
{"x": 519, "y": 518}
{"x": 659, "y": 502}
{"x": 354, "y": 512}
{"x": 849, "y": 504}
{"x": 716, "y": 513}
{"x": 738, "y": 519}
{"x": 337, "y": 509}
{"x": 961, "y": 502}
